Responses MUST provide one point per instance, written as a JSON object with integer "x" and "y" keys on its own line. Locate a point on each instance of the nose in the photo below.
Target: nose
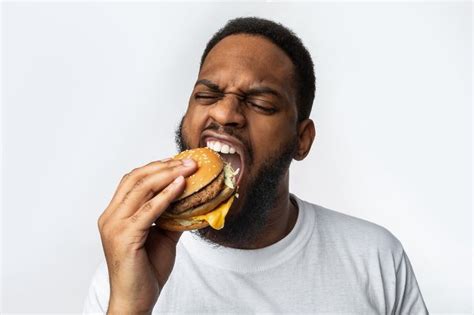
{"x": 228, "y": 111}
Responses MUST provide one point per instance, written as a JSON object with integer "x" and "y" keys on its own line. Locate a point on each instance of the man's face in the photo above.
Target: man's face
{"x": 245, "y": 95}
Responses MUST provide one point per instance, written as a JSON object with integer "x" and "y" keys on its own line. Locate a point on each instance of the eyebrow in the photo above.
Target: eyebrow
{"x": 253, "y": 91}
{"x": 262, "y": 90}
{"x": 209, "y": 84}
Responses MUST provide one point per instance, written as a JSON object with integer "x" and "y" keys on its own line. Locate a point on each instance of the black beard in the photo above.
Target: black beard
{"x": 244, "y": 228}
{"x": 181, "y": 144}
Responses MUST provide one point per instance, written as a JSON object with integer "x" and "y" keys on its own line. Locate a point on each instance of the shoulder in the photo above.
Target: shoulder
{"x": 352, "y": 233}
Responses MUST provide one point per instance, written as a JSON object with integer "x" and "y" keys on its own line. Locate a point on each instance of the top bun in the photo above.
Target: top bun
{"x": 210, "y": 165}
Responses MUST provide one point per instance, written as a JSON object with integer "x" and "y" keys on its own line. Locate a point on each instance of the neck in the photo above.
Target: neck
{"x": 281, "y": 220}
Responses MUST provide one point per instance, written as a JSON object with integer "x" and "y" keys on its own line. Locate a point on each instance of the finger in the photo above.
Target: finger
{"x": 148, "y": 186}
{"x": 129, "y": 179}
{"x": 151, "y": 210}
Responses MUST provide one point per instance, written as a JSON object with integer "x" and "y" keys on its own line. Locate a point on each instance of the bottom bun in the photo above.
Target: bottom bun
{"x": 181, "y": 225}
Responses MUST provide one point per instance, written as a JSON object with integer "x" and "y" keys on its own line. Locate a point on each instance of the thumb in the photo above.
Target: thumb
{"x": 161, "y": 242}
{"x": 161, "y": 250}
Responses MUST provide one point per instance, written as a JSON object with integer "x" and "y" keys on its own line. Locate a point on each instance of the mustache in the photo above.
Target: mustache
{"x": 182, "y": 144}
{"x": 225, "y": 129}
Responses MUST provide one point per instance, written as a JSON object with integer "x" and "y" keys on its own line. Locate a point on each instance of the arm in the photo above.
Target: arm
{"x": 139, "y": 256}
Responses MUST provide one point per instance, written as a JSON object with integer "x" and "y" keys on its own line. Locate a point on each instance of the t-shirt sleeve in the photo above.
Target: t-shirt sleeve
{"x": 408, "y": 296}
{"x": 97, "y": 298}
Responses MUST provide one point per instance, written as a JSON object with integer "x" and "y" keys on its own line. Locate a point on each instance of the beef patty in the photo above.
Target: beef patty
{"x": 202, "y": 196}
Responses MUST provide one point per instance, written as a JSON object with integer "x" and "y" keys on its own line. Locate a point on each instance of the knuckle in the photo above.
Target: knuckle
{"x": 131, "y": 174}
{"x": 134, "y": 217}
{"x": 147, "y": 207}
{"x": 139, "y": 183}
{"x": 106, "y": 232}
{"x": 125, "y": 177}
{"x": 153, "y": 163}
{"x": 100, "y": 222}
{"x": 166, "y": 160}
{"x": 145, "y": 184}
{"x": 126, "y": 197}
{"x": 167, "y": 193}
{"x": 134, "y": 172}
{"x": 173, "y": 172}
{"x": 174, "y": 163}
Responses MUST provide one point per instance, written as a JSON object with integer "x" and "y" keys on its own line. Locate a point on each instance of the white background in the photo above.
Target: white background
{"x": 91, "y": 91}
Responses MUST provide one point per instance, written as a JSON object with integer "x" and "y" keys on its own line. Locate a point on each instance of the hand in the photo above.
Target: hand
{"x": 139, "y": 256}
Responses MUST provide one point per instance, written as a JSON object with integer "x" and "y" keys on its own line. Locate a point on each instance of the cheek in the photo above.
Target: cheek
{"x": 194, "y": 122}
{"x": 268, "y": 136}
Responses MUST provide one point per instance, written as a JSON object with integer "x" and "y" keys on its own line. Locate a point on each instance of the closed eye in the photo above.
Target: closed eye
{"x": 210, "y": 98}
{"x": 264, "y": 109}
{"x": 204, "y": 96}
{"x": 207, "y": 98}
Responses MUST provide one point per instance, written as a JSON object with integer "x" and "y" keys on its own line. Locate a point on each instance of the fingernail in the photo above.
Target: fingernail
{"x": 165, "y": 160}
{"x": 178, "y": 180}
{"x": 188, "y": 162}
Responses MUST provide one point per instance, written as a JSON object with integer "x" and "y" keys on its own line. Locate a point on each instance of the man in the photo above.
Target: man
{"x": 276, "y": 253}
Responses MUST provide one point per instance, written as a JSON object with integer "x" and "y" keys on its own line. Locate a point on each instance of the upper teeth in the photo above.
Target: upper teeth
{"x": 221, "y": 147}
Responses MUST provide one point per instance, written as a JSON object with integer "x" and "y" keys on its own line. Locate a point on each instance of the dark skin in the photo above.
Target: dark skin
{"x": 140, "y": 257}
{"x": 244, "y": 83}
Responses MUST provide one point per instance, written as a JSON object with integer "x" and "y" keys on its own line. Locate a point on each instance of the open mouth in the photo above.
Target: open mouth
{"x": 229, "y": 153}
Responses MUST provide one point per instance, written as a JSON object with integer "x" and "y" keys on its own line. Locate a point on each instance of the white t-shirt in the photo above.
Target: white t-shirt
{"x": 329, "y": 263}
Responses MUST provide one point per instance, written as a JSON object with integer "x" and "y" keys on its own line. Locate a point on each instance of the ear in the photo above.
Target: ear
{"x": 306, "y": 135}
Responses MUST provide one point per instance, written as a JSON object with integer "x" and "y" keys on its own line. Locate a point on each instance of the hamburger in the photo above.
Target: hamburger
{"x": 207, "y": 196}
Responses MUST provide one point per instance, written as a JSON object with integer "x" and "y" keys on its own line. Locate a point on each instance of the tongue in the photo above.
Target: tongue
{"x": 233, "y": 160}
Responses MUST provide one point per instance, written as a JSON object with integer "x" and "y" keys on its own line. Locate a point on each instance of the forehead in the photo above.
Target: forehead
{"x": 245, "y": 60}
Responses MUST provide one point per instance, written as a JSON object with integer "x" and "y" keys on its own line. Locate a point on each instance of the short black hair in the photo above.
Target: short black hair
{"x": 305, "y": 80}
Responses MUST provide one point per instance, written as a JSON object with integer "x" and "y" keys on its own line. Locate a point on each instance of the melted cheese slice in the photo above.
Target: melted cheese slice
{"x": 216, "y": 218}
